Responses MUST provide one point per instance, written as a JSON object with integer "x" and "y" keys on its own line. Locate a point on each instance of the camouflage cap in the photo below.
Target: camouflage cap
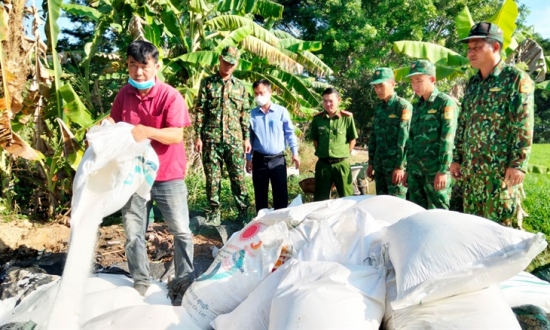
{"x": 380, "y": 75}
{"x": 485, "y": 30}
{"x": 422, "y": 67}
{"x": 230, "y": 54}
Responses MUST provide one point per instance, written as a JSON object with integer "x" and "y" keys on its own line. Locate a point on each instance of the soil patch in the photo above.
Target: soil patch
{"x": 21, "y": 240}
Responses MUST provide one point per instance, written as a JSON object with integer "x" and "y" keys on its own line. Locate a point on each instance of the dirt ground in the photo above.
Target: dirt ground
{"x": 23, "y": 239}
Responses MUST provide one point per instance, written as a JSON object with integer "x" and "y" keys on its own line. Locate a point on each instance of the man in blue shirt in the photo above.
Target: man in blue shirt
{"x": 270, "y": 126}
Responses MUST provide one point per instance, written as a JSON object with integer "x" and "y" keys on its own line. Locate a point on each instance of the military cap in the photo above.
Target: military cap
{"x": 485, "y": 30}
{"x": 230, "y": 54}
{"x": 422, "y": 67}
{"x": 381, "y": 75}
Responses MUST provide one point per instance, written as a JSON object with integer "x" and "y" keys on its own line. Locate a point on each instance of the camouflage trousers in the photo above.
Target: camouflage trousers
{"x": 214, "y": 155}
{"x": 423, "y": 193}
{"x": 489, "y": 197}
{"x": 384, "y": 185}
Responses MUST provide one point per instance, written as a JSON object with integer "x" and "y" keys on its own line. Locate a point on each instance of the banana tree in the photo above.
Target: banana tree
{"x": 518, "y": 49}
{"x": 190, "y": 36}
{"x": 14, "y": 70}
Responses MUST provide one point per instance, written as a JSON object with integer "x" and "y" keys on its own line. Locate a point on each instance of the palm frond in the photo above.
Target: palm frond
{"x": 313, "y": 64}
{"x": 234, "y": 37}
{"x": 311, "y": 98}
{"x": 233, "y": 22}
{"x": 273, "y": 54}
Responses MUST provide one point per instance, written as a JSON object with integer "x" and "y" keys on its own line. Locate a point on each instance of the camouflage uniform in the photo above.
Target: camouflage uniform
{"x": 429, "y": 149}
{"x": 333, "y": 136}
{"x": 222, "y": 120}
{"x": 388, "y": 137}
{"x": 495, "y": 132}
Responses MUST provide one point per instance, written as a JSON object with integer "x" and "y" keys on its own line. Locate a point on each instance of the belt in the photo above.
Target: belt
{"x": 332, "y": 160}
{"x": 264, "y": 156}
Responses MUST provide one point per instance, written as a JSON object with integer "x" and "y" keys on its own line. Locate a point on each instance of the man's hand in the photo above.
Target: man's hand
{"x": 456, "y": 171}
{"x": 513, "y": 177}
{"x": 405, "y": 180}
{"x": 296, "y": 161}
{"x": 247, "y": 146}
{"x": 140, "y": 132}
{"x": 397, "y": 176}
{"x": 440, "y": 181}
{"x": 198, "y": 145}
{"x": 370, "y": 173}
{"x": 248, "y": 166}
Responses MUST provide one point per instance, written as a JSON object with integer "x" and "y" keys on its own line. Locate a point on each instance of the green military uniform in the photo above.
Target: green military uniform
{"x": 388, "y": 137}
{"x": 333, "y": 136}
{"x": 221, "y": 121}
{"x": 430, "y": 144}
{"x": 495, "y": 133}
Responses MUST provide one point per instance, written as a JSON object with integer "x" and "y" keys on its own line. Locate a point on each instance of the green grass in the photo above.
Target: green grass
{"x": 540, "y": 155}
{"x": 537, "y": 206}
{"x": 537, "y": 202}
{"x": 196, "y": 185}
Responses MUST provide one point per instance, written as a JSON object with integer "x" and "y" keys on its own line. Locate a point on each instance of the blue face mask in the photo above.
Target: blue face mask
{"x": 142, "y": 85}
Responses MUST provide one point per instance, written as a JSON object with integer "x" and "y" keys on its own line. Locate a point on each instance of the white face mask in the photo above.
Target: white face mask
{"x": 262, "y": 100}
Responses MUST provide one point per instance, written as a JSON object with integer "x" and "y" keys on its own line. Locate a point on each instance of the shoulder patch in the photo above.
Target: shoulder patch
{"x": 406, "y": 114}
{"x": 526, "y": 86}
{"x": 346, "y": 113}
{"x": 448, "y": 113}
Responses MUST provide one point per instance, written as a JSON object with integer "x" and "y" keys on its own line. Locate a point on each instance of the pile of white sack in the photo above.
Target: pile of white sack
{"x": 341, "y": 264}
{"x": 379, "y": 263}
{"x": 352, "y": 263}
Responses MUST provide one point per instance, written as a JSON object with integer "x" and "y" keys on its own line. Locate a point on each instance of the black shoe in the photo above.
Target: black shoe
{"x": 177, "y": 288}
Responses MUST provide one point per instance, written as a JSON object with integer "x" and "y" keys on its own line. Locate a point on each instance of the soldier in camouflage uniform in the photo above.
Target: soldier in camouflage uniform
{"x": 431, "y": 140}
{"x": 333, "y": 133}
{"x": 495, "y": 130}
{"x": 388, "y": 137}
{"x": 221, "y": 126}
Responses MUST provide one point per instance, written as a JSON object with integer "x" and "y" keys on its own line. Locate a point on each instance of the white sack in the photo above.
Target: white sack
{"x": 113, "y": 168}
{"x": 348, "y": 241}
{"x": 389, "y": 209}
{"x": 359, "y": 236}
{"x": 438, "y": 254}
{"x": 391, "y": 294}
{"x": 356, "y": 235}
{"x": 293, "y": 216}
{"x": 483, "y": 309}
{"x": 146, "y": 317}
{"x": 248, "y": 257}
{"x": 253, "y": 312}
{"x": 358, "y": 198}
{"x": 526, "y": 289}
{"x": 328, "y": 295}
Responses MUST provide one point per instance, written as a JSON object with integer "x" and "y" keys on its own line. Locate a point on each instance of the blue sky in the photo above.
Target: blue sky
{"x": 539, "y": 16}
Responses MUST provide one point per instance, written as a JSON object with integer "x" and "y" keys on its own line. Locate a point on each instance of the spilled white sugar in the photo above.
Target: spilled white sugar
{"x": 112, "y": 169}
{"x": 102, "y": 294}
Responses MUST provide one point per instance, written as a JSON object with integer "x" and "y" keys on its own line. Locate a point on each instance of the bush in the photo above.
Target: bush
{"x": 196, "y": 185}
